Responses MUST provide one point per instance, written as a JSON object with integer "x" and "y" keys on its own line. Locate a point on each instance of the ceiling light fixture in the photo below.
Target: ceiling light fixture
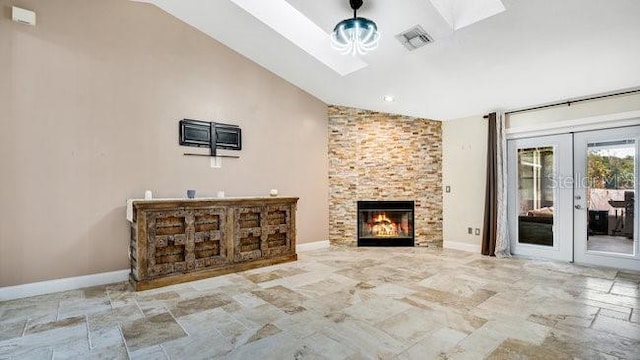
{"x": 388, "y": 98}
{"x": 356, "y": 35}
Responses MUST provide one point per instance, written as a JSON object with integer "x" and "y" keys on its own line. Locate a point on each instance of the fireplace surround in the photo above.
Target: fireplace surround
{"x": 380, "y": 156}
{"x": 385, "y": 223}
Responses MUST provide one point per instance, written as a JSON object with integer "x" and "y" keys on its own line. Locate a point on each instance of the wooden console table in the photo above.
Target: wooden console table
{"x": 174, "y": 241}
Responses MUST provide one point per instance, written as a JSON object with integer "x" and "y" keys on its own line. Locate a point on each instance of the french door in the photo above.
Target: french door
{"x": 539, "y": 201}
{"x": 572, "y": 197}
{"x": 605, "y": 210}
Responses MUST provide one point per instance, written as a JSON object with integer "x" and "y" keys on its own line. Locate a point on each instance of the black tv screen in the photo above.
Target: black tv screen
{"x": 198, "y": 133}
{"x": 228, "y": 137}
{"x": 195, "y": 133}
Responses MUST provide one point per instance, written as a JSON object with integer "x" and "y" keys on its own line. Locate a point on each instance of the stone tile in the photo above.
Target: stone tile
{"x": 282, "y": 298}
{"x": 325, "y": 286}
{"x": 588, "y": 343}
{"x": 434, "y": 346}
{"x": 199, "y": 304}
{"x": 276, "y": 347}
{"x": 376, "y": 309}
{"x": 61, "y": 324}
{"x": 613, "y": 299}
{"x": 390, "y": 290}
{"x": 410, "y": 326}
{"x": 320, "y": 346}
{"x": 10, "y": 330}
{"x": 453, "y": 284}
{"x": 618, "y": 327}
{"x": 518, "y": 349}
{"x": 564, "y": 312}
{"x": 107, "y": 337}
{"x": 591, "y": 283}
{"x": 96, "y": 292}
{"x": 629, "y": 276}
{"x": 45, "y": 353}
{"x": 151, "y": 331}
{"x": 273, "y": 275}
{"x": 603, "y": 305}
{"x": 69, "y": 340}
{"x": 305, "y": 323}
{"x": 23, "y": 309}
{"x": 248, "y": 300}
{"x": 149, "y": 353}
{"x": 82, "y": 306}
{"x": 259, "y": 316}
{"x": 114, "y": 317}
{"x": 446, "y": 298}
{"x": 476, "y": 345}
{"x": 619, "y": 289}
{"x": 121, "y": 294}
{"x": 197, "y": 346}
{"x": 344, "y": 303}
{"x": 615, "y": 314}
{"x": 264, "y": 332}
{"x": 365, "y": 339}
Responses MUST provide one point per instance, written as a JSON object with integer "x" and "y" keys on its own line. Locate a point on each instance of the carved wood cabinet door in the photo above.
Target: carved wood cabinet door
{"x": 263, "y": 232}
{"x": 182, "y": 241}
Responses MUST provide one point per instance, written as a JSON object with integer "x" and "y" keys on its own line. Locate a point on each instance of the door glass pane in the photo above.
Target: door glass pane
{"x": 610, "y": 196}
{"x": 536, "y": 195}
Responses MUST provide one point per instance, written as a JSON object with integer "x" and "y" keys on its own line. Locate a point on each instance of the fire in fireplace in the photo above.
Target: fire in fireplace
{"x": 385, "y": 223}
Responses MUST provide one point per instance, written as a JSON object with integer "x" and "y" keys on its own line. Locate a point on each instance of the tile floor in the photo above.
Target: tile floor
{"x": 344, "y": 303}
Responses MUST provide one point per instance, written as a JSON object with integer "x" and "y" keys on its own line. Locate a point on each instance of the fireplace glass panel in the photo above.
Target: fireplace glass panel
{"x": 385, "y": 223}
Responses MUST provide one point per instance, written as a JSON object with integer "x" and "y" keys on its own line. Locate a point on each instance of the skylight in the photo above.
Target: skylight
{"x": 287, "y": 21}
{"x": 461, "y": 13}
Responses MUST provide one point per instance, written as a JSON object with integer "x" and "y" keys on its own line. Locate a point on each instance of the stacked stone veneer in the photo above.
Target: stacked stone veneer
{"x": 378, "y": 156}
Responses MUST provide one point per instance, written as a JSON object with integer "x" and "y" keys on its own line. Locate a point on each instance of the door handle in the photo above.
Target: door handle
{"x": 578, "y": 206}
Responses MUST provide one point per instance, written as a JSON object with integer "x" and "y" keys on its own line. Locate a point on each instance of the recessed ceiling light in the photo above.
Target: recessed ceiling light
{"x": 389, "y": 98}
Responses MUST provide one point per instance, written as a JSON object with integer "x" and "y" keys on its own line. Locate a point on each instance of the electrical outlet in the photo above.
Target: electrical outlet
{"x": 470, "y": 230}
{"x": 447, "y": 189}
{"x": 477, "y": 232}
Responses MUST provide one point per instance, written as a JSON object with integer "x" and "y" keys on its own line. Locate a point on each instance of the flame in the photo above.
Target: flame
{"x": 383, "y": 226}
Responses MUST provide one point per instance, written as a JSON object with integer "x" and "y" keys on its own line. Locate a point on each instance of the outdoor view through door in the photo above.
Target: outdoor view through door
{"x": 610, "y": 196}
{"x": 535, "y": 195}
{"x": 572, "y": 197}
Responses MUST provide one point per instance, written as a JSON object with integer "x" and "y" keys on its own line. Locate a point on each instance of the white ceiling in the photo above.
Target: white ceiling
{"x": 533, "y": 53}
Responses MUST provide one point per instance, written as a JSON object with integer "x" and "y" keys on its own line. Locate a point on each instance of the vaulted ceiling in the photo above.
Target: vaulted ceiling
{"x": 534, "y": 52}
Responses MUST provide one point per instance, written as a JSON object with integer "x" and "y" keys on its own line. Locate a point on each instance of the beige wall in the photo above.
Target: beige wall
{"x": 90, "y": 101}
{"x": 464, "y": 159}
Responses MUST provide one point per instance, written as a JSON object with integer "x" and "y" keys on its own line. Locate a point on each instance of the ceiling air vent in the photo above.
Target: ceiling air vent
{"x": 414, "y": 38}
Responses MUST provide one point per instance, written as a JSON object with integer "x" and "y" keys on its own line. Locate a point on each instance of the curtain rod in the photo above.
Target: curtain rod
{"x": 569, "y": 102}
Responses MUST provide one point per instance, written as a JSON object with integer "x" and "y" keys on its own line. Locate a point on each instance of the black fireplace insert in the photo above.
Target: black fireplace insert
{"x": 385, "y": 223}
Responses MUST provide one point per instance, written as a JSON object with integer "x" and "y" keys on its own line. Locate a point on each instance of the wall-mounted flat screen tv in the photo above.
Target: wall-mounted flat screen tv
{"x": 228, "y": 137}
{"x": 198, "y": 133}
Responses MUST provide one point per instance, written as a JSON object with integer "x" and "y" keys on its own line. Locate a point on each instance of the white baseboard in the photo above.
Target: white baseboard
{"x": 474, "y": 248}
{"x": 316, "y": 245}
{"x": 79, "y": 282}
{"x": 57, "y": 285}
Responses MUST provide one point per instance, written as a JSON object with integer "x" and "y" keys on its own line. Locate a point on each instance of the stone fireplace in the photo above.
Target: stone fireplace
{"x": 376, "y": 156}
{"x": 385, "y": 223}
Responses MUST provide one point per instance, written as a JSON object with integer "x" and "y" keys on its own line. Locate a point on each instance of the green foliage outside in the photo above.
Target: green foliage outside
{"x": 610, "y": 172}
